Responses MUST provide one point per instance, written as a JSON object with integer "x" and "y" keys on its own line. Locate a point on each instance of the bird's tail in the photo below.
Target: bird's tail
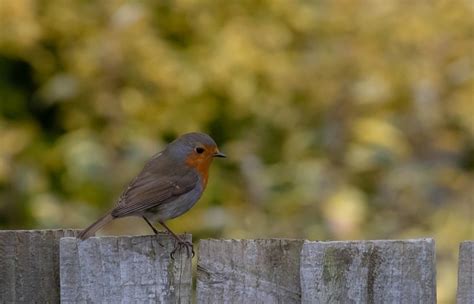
{"x": 89, "y": 231}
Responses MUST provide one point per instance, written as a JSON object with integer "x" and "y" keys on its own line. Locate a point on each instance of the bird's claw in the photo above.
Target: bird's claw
{"x": 187, "y": 245}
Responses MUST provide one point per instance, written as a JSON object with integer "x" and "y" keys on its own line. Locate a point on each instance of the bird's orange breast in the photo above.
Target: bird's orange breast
{"x": 201, "y": 164}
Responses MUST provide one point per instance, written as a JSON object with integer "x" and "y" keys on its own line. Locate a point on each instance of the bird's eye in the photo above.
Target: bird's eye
{"x": 199, "y": 150}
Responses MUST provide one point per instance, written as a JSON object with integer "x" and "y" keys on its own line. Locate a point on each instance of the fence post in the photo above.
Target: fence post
{"x": 369, "y": 272}
{"x": 29, "y": 265}
{"x": 134, "y": 269}
{"x": 465, "y": 294}
{"x": 249, "y": 271}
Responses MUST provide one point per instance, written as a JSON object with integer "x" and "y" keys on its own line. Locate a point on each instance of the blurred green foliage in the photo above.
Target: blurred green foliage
{"x": 341, "y": 119}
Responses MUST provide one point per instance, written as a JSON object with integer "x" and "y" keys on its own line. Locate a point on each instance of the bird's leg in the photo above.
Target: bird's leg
{"x": 181, "y": 243}
{"x": 151, "y": 226}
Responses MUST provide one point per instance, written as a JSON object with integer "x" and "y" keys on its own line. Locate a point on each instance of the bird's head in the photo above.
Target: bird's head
{"x": 197, "y": 150}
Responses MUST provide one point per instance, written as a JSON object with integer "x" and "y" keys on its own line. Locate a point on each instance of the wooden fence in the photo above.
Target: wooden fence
{"x": 51, "y": 266}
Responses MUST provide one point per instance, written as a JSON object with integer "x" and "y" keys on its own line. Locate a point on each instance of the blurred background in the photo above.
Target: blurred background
{"x": 341, "y": 119}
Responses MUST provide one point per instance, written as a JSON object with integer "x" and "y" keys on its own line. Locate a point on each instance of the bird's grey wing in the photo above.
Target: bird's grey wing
{"x": 157, "y": 184}
{"x": 151, "y": 192}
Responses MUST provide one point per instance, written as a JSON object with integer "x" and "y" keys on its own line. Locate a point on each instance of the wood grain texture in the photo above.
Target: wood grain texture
{"x": 134, "y": 269}
{"x": 29, "y": 265}
{"x": 465, "y": 293}
{"x": 249, "y": 271}
{"x": 369, "y": 272}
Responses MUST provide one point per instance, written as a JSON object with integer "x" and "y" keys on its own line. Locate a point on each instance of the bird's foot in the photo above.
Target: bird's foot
{"x": 183, "y": 244}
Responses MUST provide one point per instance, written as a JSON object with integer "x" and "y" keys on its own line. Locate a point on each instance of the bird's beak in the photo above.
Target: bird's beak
{"x": 219, "y": 154}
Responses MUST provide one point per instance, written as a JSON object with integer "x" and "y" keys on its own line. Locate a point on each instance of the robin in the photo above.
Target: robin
{"x": 171, "y": 182}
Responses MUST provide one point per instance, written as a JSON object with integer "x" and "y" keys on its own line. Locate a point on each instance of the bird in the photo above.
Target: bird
{"x": 169, "y": 184}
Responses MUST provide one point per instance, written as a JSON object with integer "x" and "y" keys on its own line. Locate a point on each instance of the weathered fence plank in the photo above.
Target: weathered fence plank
{"x": 29, "y": 265}
{"x": 369, "y": 272}
{"x": 124, "y": 270}
{"x": 249, "y": 271}
{"x": 465, "y": 294}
